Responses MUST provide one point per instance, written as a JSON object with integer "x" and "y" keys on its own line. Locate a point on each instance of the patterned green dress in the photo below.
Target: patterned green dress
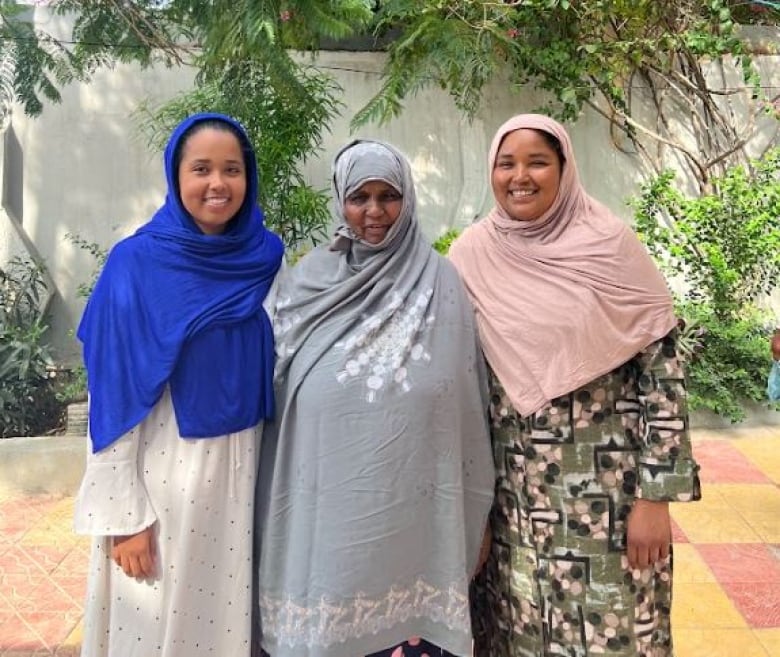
{"x": 557, "y": 580}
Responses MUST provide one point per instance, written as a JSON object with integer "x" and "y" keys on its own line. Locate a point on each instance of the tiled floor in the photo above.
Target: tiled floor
{"x": 727, "y": 559}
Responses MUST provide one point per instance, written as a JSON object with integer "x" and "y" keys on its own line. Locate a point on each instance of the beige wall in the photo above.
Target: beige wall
{"x": 85, "y": 170}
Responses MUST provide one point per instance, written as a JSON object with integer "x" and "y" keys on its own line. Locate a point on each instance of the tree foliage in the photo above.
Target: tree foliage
{"x": 615, "y": 56}
{"x": 242, "y": 51}
{"x": 32, "y": 63}
{"x": 726, "y": 245}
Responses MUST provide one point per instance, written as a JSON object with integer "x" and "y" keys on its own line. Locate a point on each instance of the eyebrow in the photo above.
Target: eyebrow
{"x": 206, "y": 160}
{"x": 509, "y": 156}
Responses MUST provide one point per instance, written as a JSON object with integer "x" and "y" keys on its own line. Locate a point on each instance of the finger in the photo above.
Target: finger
{"x": 124, "y": 564}
{"x": 146, "y": 564}
{"x": 135, "y": 566}
{"x": 631, "y": 553}
{"x": 653, "y": 554}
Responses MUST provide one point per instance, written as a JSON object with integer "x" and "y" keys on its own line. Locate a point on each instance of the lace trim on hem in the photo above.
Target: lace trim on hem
{"x": 290, "y": 623}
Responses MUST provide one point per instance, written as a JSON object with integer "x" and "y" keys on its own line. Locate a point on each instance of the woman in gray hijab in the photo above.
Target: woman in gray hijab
{"x": 377, "y": 474}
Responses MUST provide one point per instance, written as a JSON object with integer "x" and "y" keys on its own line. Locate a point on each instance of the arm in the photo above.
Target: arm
{"x": 666, "y": 469}
{"x": 776, "y": 344}
{"x": 112, "y": 501}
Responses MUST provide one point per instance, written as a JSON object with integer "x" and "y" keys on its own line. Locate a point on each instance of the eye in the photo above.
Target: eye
{"x": 389, "y": 197}
{"x": 357, "y": 199}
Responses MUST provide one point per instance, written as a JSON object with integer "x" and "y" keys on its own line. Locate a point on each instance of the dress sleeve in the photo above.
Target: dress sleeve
{"x": 667, "y": 470}
{"x": 112, "y": 499}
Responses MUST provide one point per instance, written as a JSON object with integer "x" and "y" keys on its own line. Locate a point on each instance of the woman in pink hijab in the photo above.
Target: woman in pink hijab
{"x": 588, "y": 413}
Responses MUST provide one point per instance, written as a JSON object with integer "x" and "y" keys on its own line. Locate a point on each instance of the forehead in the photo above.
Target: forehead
{"x": 211, "y": 142}
{"x": 374, "y": 187}
{"x": 524, "y": 142}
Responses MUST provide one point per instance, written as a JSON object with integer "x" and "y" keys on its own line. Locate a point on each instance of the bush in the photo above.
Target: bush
{"x": 444, "y": 241}
{"x": 726, "y": 245}
{"x": 728, "y": 360}
{"x": 28, "y": 405}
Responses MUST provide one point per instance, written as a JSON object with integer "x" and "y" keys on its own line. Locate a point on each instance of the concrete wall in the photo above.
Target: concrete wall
{"x": 84, "y": 169}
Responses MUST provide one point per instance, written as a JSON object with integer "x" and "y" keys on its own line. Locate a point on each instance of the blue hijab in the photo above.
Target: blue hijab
{"x": 176, "y": 307}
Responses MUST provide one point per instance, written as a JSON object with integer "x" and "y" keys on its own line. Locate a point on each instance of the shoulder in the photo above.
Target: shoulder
{"x": 468, "y": 241}
{"x": 126, "y": 254}
{"x": 320, "y": 256}
{"x": 447, "y": 270}
{"x": 311, "y": 270}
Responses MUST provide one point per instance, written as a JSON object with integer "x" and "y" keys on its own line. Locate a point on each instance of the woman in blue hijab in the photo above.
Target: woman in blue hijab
{"x": 178, "y": 349}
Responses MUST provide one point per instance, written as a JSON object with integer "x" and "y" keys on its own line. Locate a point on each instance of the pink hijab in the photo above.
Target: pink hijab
{"x": 562, "y": 299}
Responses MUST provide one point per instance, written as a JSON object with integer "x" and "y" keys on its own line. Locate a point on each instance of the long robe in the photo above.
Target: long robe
{"x": 557, "y": 580}
{"x": 199, "y": 494}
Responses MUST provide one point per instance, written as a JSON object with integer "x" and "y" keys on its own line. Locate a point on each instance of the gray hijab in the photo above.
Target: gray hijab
{"x": 376, "y": 474}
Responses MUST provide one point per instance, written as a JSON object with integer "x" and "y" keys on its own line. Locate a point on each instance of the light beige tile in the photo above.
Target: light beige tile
{"x": 713, "y": 520}
{"x": 770, "y": 639}
{"x": 689, "y": 566}
{"x": 746, "y": 498}
{"x": 704, "y": 606}
{"x": 717, "y": 643}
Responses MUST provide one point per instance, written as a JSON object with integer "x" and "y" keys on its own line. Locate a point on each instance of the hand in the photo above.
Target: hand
{"x": 649, "y": 533}
{"x": 135, "y": 554}
{"x": 776, "y": 344}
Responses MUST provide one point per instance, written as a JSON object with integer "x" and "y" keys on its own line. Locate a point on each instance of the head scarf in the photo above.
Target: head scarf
{"x": 379, "y": 448}
{"x": 564, "y": 298}
{"x": 176, "y": 307}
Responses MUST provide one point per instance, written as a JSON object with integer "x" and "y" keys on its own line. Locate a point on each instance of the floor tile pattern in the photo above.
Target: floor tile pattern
{"x": 727, "y": 559}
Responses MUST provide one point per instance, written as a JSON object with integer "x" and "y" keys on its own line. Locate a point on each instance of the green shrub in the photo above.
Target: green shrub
{"x": 726, "y": 243}
{"x": 728, "y": 359}
{"x": 28, "y": 405}
{"x": 726, "y": 246}
{"x": 444, "y": 241}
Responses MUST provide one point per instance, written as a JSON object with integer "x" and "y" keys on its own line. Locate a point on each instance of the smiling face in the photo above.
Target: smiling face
{"x": 212, "y": 178}
{"x": 526, "y": 175}
{"x": 372, "y": 209}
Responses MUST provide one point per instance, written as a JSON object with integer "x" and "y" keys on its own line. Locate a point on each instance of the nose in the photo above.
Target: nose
{"x": 374, "y": 207}
{"x": 519, "y": 172}
{"x": 216, "y": 180}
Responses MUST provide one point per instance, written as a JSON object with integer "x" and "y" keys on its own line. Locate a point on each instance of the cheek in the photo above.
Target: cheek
{"x": 352, "y": 214}
{"x": 240, "y": 191}
{"x": 552, "y": 183}
{"x": 497, "y": 180}
{"x": 394, "y": 211}
{"x": 187, "y": 191}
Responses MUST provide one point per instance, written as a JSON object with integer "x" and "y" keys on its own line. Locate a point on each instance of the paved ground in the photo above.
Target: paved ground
{"x": 727, "y": 553}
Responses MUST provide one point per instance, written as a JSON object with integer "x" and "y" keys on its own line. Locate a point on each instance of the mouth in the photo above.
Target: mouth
{"x": 521, "y": 193}
{"x": 375, "y": 233}
{"x": 216, "y": 201}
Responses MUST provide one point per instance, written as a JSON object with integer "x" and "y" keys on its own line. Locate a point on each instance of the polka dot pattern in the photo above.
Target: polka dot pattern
{"x": 198, "y": 495}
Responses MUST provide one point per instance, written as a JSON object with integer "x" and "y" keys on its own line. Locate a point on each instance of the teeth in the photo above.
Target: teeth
{"x": 521, "y": 192}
